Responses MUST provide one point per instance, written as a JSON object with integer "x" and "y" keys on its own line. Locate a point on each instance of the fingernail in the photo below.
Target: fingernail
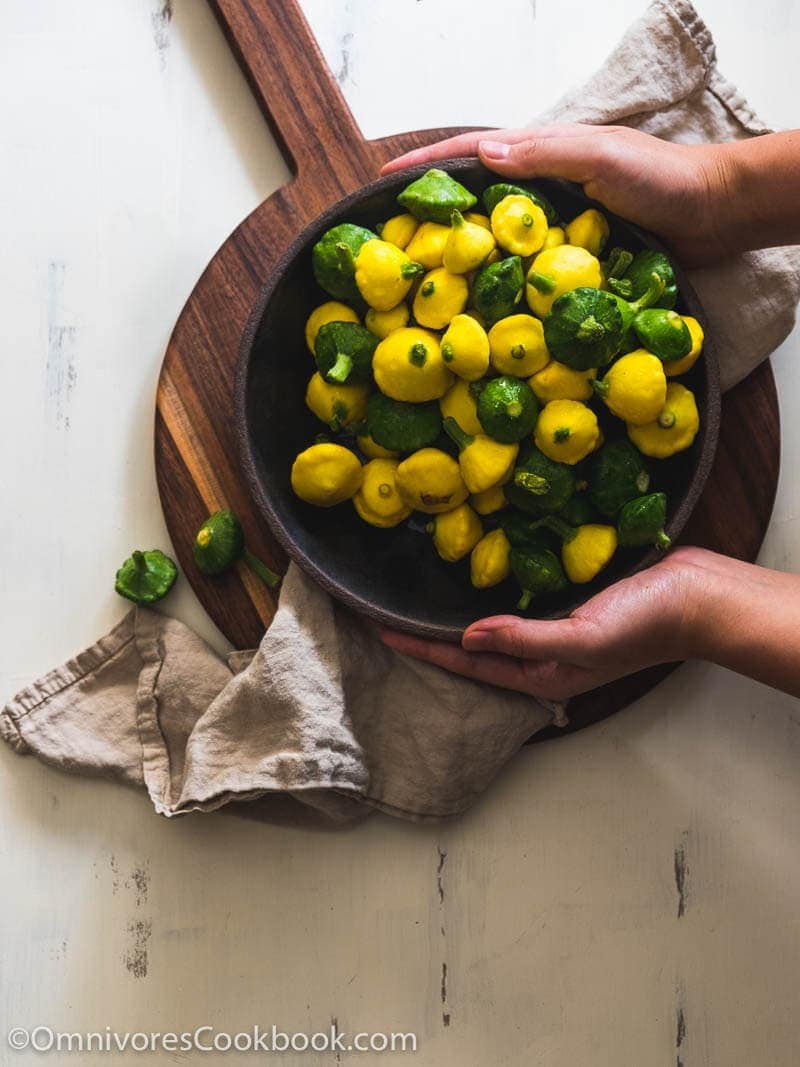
{"x": 476, "y": 639}
{"x": 494, "y": 149}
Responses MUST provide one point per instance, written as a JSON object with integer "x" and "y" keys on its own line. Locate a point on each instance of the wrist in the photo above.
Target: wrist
{"x": 723, "y": 203}
{"x": 705, "y": 602}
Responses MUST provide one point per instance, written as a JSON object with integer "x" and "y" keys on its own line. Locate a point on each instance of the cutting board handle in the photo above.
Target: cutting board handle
{"x": 296, "y": 91}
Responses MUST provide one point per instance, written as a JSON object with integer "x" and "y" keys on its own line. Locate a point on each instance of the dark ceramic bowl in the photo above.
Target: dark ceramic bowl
{"x": 395, "y": 576}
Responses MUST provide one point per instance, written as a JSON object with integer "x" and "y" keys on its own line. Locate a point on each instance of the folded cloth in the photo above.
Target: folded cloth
{"x": 322, "y": 712}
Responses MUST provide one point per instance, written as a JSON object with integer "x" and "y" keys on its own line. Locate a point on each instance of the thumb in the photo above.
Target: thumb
{"x": 571, "y": 640}
{"x": 576, "y": 158}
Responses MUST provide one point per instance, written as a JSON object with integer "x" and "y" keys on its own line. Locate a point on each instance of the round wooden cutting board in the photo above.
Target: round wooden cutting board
{"x": 195, "y": 454}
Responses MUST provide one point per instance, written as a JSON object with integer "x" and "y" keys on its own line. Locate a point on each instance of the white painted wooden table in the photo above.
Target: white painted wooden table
{"x": 130, "y": 149}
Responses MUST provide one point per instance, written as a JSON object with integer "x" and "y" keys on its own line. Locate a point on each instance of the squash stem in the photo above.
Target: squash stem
{"x": 560, "y": 528}
{"x": 531, "y": 483}
{"x": 663, "y": 540}
{"x": 651, "y": 295}
{"x": 267, "y": 576}
{"x": 139, "y": 562}
{"x": 456, "y": 434}
{"x": 542, "y": 283}
{"x": 618, "y": 262}
{"x": 340, "y": 371}
{"x": 524, "y": 601}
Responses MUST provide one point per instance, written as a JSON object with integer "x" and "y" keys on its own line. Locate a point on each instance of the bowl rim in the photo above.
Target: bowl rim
{"x": 709, "y": 426}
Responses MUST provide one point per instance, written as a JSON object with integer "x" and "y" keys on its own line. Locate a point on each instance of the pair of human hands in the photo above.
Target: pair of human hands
{"x": 676, "y": 191}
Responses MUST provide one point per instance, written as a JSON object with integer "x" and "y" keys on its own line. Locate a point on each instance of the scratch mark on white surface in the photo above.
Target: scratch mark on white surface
{"x": 442, "y": 854}
{"x": 136, "y": 956}
{"x": 439, "y": 870}
{"x": 335, "y": 1031}
{"x": 680, "y": 1022}
{"x": 160, "y": 20}
{"x": 115, "y": 880}
{"x": 140, "y": 882}
{"x": 60, "y": 372}
{"x": 343, "y": 73}
{"x": 682, "y": 873}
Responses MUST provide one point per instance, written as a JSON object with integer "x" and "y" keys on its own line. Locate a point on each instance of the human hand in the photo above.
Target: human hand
{"x": 653, "y": 617}
{"x": 677, "y": 191}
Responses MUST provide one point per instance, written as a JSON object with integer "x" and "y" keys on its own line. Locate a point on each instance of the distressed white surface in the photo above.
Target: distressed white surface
{"x": 130, "y": 149}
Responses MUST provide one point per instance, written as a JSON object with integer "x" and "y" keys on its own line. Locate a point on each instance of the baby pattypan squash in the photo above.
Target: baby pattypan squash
{"x": 467, "y": 246}
{"x": 484, "y": 462}
{"x": 554, "y": 237}
{"x": 641, "y": 522}
{"x": 428, "y": 244}
{"x": 493, "y": 194}
{"x": 519, "y": 226}
{"x": 336, "y": 405}
{"x": 399, "y": 229}
{"x": 382, "y": 323}
{"x": 497, "y": 289}
{"x": 618, "y": 474}
{"x": 146, "y": 577}
{"x": 567, "y": 431}
{"x": 408, "y": 366}
{"x": 219, "y": 543}
{"x": 634, "y": 388}
{"x": 384, "y": 273}
{"x": 465, "y": 348}
{"x": 586, "y": 550}
{"x": 540, "y": 485}
{"x": 697, "y": 335}
{"x": 664, "y": 333}
{"x": 460, "y": 403}
{"x": 430, "y": 481}
{"x": 489, "y": 501}
{"x": 681, "y": 366}
{"x": 489, "y": 563}
{"x": 333, "y": 259}
{"x": 557, "y": 381}
{"x": 377, "y": 501}
{"x": 588, "y": 230}
{"x": 584, "y": 328}
{"x": 343, "y": 352}
{"x": 636, "y": 280}
{"x": 538, "y": 574}
{"x": 455, "y": 533}
{"x": 440, "y": 297}
{"x": 435, "y": 196}
{"x": 326, "y": 474}
{"x": 517, "y": 346}
{"x": 673, "y": 429}
{"x": 507, "y": 409}
{"x": 559, "y": 270}
{"x": 401, "y": 427}
{"x": 330, "y": 311}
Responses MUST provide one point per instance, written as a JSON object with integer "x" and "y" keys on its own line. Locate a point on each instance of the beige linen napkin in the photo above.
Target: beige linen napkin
{"x": 322, "y": 713}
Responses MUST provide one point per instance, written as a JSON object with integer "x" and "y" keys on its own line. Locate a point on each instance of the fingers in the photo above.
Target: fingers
{"x": 572, "y": 640}
{"x": 576, "y": 156}
{"x": 550, "y": 680}
{"x": 496, "y": 670}
{"x": 466, "y": 144}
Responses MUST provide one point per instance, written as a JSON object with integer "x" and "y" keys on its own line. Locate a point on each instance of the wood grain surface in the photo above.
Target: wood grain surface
{"x": 196, "y": 464}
